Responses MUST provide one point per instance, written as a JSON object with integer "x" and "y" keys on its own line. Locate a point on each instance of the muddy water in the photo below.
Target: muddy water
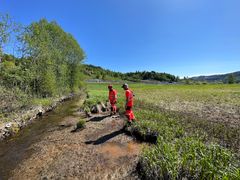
{"x": 16, "y": 149}
{"x": 116, "y": 150}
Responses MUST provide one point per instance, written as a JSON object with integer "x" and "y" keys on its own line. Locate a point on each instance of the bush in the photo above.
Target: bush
{"x": 81, "y": 124}
{"x": 12, "y": 99}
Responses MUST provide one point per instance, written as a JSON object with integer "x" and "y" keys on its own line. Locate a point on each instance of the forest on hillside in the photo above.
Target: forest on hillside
{"x": 91, "y": 71}
{"x": 229, "y": 78}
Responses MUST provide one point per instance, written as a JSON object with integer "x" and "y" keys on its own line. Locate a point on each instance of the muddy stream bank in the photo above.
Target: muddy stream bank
{"x": 47, "y": 149}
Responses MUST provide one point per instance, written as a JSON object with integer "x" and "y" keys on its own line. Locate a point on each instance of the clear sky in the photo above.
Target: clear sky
{"x": 182, "y": 37}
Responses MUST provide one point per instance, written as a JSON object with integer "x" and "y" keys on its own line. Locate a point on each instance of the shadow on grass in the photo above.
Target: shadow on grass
{"x": 105, "y": 138}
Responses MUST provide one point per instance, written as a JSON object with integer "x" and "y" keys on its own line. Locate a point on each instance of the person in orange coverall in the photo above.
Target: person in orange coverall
{"x": 129, "y": 103}
{"x": 112, "y": 99}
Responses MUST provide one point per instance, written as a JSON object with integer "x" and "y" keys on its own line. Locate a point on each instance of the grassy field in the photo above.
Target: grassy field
{"x": 198, "y": 128}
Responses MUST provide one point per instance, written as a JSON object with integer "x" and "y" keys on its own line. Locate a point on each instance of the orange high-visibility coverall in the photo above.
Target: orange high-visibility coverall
{"x": 113, "y": 100}
{"x": 129, "y": 105}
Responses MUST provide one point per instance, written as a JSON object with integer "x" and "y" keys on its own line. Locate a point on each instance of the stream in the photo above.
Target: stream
{"x": 15, "y": 149}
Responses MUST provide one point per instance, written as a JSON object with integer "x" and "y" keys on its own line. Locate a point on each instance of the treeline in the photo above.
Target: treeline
{"x": 99, "y": 73}
{"x": 145, "y": 75}
{"x": 48, "y": 62}
{"x": 96, "y": 72}
{"x": 229, "y": 78}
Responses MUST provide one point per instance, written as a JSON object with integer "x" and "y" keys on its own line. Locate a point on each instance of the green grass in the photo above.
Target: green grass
{"x": 190, "y": 144}
{"x": 81, "y": 124}
{"x": 179, "y": 154}
{"x": 214, "y": 93}
{"x": 188, "y": 158}
{"x": 42, "y": 101}
{"x": 99, "y": 93}
{"x": 12, "y": 99}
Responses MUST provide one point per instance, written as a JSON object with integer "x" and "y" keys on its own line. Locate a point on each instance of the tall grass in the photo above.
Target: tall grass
{"x": 178, "y": 154}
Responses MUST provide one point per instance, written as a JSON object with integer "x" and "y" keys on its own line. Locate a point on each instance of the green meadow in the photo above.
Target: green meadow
{"x": 197, "y": 128}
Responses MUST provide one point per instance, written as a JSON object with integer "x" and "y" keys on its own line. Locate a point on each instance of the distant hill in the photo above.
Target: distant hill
{"x": 96, "y": 72}
{"x": 218, "y": 78}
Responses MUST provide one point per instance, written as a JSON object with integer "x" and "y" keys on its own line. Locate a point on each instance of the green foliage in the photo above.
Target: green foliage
{"x": 164, "y": 77}
{"x": 231, "y": 79}
{"x": 41, "y": 101}
{"x": 51, "y": 62}
{"x": 99, "y": 93}
{"x": 50, "y": 65}
{"x": 95, "y": 72}
{"x": 48, "y": 85}
{"x": 9, "y": 31}
{"x": 186, "y": 146}
{"x": 179, "y": 154}
{"x": 12, "y": 99}
{"x": 6, "y": 26}
{"x": 222, "y": 78}
{"x": 188, "y": 158}
{"x": 55, "y": 58}
{"x": 81, "y": 124}
{"x": 99, "y": 73}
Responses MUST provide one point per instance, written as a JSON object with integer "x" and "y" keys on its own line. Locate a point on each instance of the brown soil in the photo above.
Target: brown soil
{"x": 100, "y": 151}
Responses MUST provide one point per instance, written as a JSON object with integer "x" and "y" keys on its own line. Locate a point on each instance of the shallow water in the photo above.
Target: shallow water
{"x": 17, "y": 148}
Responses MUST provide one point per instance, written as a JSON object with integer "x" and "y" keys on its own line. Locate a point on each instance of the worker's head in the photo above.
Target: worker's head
{"x": 125, "y": 86}
{"x": 110, "y": 87}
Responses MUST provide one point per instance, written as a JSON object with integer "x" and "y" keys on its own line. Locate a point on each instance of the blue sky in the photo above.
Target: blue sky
{"x": 182, "y": 37}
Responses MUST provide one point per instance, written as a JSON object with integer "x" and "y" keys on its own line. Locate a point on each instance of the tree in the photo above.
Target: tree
{"x": 55, "y": 58}
{"x": 5, "y": 25}
{"x": 186, "y": 80}
{"x": 9, "y": 31}
{"x": 231, "y": 79}
{"x": 103, "y": 76}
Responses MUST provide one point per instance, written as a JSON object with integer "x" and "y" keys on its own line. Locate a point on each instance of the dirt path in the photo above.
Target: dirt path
{"x": 101, "y": 151}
